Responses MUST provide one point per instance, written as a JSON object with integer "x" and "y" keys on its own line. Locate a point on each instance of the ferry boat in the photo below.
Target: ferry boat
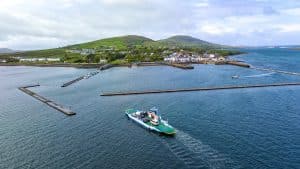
{"x": 151, "y": 120}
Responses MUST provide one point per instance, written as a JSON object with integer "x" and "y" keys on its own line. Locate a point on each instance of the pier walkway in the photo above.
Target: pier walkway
{"x": 199, "y": 89}
{"x": 101, "y": 68}
{"x": 46, "y": 101}
{"x": 80, "y": 78}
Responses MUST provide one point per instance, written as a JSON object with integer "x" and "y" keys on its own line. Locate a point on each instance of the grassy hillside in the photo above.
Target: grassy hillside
{"x": 50, "y": 53}
{"x": 119, "y": 43}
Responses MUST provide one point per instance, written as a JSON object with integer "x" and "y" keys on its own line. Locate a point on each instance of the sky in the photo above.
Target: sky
{"x": 39, "y": 24}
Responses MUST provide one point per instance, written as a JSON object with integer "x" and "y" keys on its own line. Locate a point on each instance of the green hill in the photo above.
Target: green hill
{"x": 121, "y": 42}
{"x": 49, "y": 53}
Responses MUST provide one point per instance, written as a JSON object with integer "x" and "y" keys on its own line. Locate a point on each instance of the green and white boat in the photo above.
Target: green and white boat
{"x": 151, "y": 120}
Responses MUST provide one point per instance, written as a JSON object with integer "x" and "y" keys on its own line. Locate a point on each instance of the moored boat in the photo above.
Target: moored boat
{"x": 151, "y": 120}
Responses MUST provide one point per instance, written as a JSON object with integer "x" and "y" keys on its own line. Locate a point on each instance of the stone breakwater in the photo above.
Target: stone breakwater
{"x": 46, "y": 101}
{"x": 198, "y": 89}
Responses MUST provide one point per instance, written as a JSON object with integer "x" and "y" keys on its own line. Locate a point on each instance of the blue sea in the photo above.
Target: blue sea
{"x": 240, "y": 128}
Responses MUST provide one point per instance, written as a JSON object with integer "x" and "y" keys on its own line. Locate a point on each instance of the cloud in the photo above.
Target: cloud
{"x": 47, "y": 24}
{"x": 292, "y": 12}
{"x": 216, "y": 29}
{"x": 290, "y": 27}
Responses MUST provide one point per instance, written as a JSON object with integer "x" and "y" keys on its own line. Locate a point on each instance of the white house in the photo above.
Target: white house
{"x": 212, "y": 55}
{"x": 53, "y": 59}
{"x": 184, "y": 59}
{"x": 103, "y": 61}
{"x": 170, "y": 59}
{"x": 196, "y": 59}
{"x": 87, "y": 51}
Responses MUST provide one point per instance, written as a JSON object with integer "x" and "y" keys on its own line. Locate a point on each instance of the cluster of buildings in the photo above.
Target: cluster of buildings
{"x": 188, "y": 57}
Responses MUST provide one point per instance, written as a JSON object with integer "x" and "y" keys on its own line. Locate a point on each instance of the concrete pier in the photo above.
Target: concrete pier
{"x": 80, "y": 78}
{"x": 199, "y": 89}
{"x": 180, "y": 66}
{"x": 46, "y": 101}
{"x": 236, "y": 63}
{"x": 107, "y": 66}
{"x": 72, "y": 81}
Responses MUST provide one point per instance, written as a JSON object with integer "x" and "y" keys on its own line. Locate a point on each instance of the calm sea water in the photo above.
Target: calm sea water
{"x": 248, "y": 128}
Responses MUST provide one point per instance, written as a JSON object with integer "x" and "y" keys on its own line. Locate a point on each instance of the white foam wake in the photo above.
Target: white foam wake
{"x": 211, "y": 157}
{"x": 260, "y": 75}
{"x": 184, "y": 155}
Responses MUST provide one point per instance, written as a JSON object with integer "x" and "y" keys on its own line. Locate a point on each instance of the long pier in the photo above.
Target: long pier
{"x": 101, "y": 68}
{"x": 46, "y": 101}
{"x": 80, "y": 78}
{"x": 199, "y": 89}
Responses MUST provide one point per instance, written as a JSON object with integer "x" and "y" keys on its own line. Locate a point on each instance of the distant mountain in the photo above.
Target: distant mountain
{"x": 6, "y": 50}
{"x": 187, "y": 41}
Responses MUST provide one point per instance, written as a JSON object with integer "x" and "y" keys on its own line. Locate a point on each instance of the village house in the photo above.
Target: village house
{"x": 196, "y": 58}
{"x": 53, "y": 59}
{"x": 103, "y": 61}
{"x": 87, "y": 51}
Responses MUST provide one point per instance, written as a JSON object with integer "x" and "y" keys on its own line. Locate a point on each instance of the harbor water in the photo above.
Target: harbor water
{"x": 241, "y": 128}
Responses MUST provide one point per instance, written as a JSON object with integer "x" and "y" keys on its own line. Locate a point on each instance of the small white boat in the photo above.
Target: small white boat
{"x": 235, "y": 77}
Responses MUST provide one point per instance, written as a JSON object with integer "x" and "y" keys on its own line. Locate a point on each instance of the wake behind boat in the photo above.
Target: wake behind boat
{"x": 150, "y": 120}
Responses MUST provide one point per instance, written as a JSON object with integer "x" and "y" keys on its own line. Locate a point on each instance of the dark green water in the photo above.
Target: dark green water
{"x": 247, "y": 128}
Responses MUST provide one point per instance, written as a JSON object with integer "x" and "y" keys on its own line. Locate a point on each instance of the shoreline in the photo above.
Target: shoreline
{"x": 81, "y": 65}
{"x": 96, "y": 65}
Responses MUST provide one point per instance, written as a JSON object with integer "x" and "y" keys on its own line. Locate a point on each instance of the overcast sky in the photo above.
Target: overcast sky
{"x": 37, "y": 24}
